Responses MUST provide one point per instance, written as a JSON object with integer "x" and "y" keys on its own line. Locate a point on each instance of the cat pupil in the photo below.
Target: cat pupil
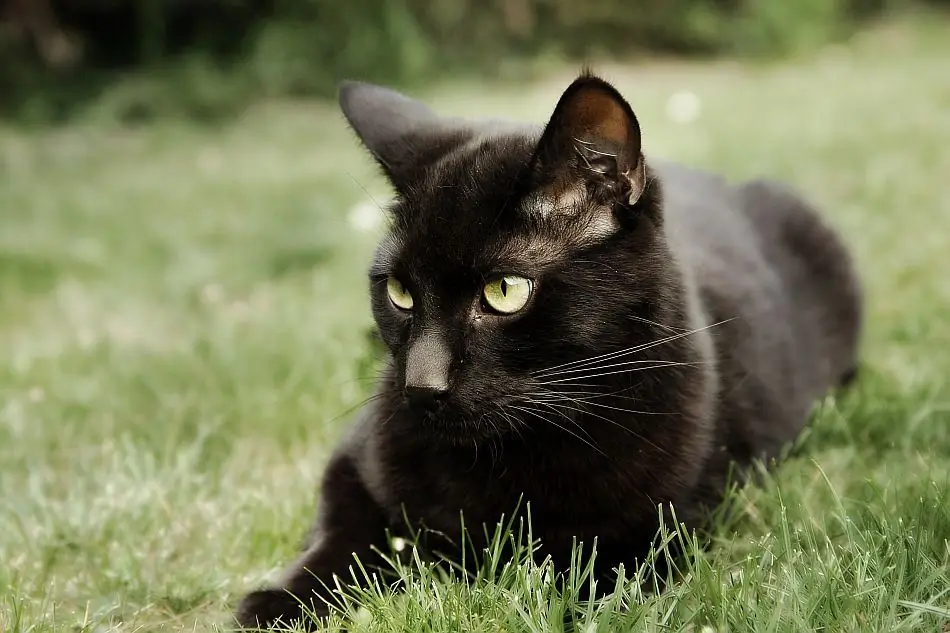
{"x": 504, "y": 287}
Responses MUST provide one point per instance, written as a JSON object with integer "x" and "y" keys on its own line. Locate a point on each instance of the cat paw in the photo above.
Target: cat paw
{"x": 267, "y": 608}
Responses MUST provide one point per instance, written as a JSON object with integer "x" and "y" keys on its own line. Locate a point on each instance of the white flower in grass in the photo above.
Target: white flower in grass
{"x": 240, "y": 310}
{"x": 87, "y": 337}
{"x": 212, "y": 294}
{"x": 683, "y": 107}
{"x": 366, "y": 216}
{"x": 363, "y": 616}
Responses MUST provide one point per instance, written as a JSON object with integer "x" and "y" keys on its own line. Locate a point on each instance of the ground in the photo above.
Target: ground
{"x": 184, "y": 330}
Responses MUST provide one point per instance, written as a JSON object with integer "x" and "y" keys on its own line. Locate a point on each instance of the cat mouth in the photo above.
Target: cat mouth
{"x": 428, "y": 409}
{"x": 451, "y": 419}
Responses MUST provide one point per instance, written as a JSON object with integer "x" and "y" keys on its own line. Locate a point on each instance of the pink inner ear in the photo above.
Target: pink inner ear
{"x": 595, "y": 113}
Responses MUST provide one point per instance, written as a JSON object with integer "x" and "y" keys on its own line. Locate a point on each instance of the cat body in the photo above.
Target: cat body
{"x": 573, "y": 329}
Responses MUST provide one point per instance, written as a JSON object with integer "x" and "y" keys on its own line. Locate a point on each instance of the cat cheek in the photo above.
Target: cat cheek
{"x": 477, "y": 316}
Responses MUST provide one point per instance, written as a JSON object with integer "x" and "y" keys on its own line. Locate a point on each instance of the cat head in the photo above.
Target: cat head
{"x": 513, "y": 250}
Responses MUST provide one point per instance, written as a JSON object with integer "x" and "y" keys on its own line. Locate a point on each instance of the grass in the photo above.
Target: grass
{"x": 183, "y": 326}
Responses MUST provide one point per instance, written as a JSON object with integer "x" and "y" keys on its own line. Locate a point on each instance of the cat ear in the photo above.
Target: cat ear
{"x": 402, "y": 134}
{"x": 593, "y": 139}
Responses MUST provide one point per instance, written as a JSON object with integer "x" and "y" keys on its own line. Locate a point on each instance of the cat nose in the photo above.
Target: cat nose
{"x": 427, "y": 369}
{"x": 426, "y": 394}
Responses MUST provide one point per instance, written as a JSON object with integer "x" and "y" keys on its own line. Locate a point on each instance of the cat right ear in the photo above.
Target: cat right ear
{"x": 593, "y": 139}
{"x": 402, "y": 134}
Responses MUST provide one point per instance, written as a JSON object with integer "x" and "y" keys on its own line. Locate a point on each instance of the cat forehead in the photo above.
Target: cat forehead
{"x": 483, "y": 242}
{"x": 490, "y": 162}
{"x": 480, "y": 206}
{"x": 430, "y": 258}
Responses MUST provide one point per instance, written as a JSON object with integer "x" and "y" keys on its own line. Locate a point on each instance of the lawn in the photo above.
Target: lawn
{"x": 184, "y": 327}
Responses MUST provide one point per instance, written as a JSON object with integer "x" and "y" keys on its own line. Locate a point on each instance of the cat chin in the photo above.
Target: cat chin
{"x": 461, "y": 429}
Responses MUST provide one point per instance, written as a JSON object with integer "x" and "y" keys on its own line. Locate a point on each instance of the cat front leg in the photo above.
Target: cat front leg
{"x": 349, "y": 522}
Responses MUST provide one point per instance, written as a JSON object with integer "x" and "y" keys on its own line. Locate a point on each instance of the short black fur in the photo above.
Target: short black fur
{"x": 678, "y": 326}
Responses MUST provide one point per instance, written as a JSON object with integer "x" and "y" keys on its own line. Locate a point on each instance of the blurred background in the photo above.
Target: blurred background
{"x": 208, "y": 58}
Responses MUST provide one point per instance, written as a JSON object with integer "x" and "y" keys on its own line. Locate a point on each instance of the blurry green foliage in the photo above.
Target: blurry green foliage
{"x": 150, "y": 58}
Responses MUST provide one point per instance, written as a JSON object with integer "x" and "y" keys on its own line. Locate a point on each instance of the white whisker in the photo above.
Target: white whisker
{"x": 612, "y": 373}
{"x": 615, "y": 423}
{"x": 668, "y": 328}
{"x": 599, "y": 367}
{"x": 563, "y": 428}
{"x": 630, "y": 350}
{"x": 555, "y": 400}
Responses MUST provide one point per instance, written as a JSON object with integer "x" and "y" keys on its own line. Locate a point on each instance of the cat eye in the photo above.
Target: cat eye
{"x": 398, "y": 294}
{"x": 507, "y": 294}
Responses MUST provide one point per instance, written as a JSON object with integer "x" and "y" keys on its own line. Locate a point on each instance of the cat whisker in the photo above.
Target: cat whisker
{"x": 630, "y": 350}
{"x": 581, "y": 394}
{"x": 603, "y": 357}
{"x": 615, "y": 423}
{"x": 561, "y": 411}
{"x": 567, "y": 382}
{"x": 511, "y": 420}
{"x": 379, "y": 206}
{"x": 596, "y": 263}
{"x": 586, "y": 363}
{"x": 617, "y": 353}
{"x": 659, "y": 363}
{"x": 668, "y": 328}
{"x": 388, "y": 418}
{"x": 577, "y": 384}
{"x": 566, "y": 417}
{"x": 362, "y": 403}
{"x": 555, "y": 399}
{"x": 563, "y": 428}
{"x": 494, "y": 446}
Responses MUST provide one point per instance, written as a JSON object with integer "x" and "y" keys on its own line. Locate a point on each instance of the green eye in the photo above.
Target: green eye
{"x": 398, "y": 294}
{"x": 507, "y": 294}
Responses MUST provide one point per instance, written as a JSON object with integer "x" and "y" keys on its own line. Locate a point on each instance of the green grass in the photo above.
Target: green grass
{"x": 183, "y": 326}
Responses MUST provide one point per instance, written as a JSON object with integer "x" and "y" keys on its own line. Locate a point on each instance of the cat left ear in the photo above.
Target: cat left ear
{"x": 403, "y": 135}
{"x": 593, "y": 138}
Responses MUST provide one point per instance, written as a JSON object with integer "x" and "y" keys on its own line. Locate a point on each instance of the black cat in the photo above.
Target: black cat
{"x": 570, "y": 327}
